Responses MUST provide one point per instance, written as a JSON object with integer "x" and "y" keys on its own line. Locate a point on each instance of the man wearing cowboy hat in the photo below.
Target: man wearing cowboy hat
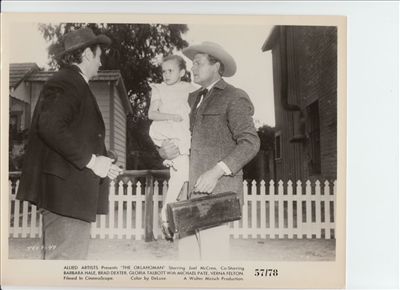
{"x": 65, "y": 167}
{"x": 224, "y": 140}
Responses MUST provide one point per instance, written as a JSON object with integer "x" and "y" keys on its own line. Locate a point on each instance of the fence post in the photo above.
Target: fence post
{"x": 148, "y": 209}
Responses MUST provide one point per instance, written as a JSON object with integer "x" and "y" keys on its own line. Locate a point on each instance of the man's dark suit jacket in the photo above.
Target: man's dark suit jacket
{"x": 67, "y": 128}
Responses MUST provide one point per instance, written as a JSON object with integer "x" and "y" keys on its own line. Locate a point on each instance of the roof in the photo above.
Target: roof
{"x": 272, "y": 38}
{"x": 102, "y": 76}
{"x": 20, "y": 71}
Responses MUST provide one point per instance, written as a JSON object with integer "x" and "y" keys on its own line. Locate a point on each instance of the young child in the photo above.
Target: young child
{"x": 169, "y": 110}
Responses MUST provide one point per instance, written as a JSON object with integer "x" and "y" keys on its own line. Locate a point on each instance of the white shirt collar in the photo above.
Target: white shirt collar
{"x": 82, "y": 74}
{"x": 210, "y": 86}
{"x": 208, "y": 90}
{"x": 84, "y": 77}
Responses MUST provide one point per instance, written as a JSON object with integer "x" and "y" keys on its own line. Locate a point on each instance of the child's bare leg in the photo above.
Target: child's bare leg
{"x": 175, "y": 183}
{"x": 177, "y": 179}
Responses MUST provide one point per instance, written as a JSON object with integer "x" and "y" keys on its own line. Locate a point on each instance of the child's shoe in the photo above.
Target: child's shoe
{"x": 168, "y": 234}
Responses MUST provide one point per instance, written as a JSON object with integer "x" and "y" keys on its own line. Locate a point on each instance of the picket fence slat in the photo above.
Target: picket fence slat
{"x": 25, "y": 216}
{"x": 32, "y": 225}
{"x": 111, "y": 226}
{"x": 326, "y": 211}
{"x": 271, "y": 210}
{"x": 156, "y": 201}
{"x": 280, "y": 210}
{"x": 334, "y": 205}
{"x": 308, "y": 210}
{"x": 103, "y": 228}
{"x": 245, "y": 223}
{"x": 17, "y": 228}
{"x": 40, "y": 226}
{"x": 254, "y": 209}
{"x": 263, "y": 216}
{"x": 12, "y": 198}
{"x": 139, "y": 210}
{"x": 129, "y": 211}
{"x": 283, "y": 210}
{"x": 290, "y": 208}
{"x": 120, "y": 210}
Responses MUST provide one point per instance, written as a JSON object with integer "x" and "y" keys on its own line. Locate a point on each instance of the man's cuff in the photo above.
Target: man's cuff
{"x": 225, "y": 168}
{"x": 90, "y": 165}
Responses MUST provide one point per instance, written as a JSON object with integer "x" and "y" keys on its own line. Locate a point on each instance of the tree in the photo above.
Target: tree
{"x": 135, "y": 51}
{"x": 267, "y": 138}
{"x": 260, "y": 167}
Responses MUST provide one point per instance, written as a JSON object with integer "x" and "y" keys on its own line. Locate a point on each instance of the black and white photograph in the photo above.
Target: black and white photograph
{"x": 165, "y": 150}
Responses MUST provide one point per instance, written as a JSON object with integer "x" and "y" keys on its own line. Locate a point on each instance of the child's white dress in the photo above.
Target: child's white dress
{"x": 174, "y": 100}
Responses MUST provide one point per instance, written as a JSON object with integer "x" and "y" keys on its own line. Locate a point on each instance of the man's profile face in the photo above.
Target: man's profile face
{"x": 94, "y": 61}
{"x": 204, "y": 73}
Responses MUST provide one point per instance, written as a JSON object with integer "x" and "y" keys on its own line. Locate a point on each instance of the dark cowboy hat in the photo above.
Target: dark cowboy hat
{"x": 81, "y": 38}
{"x": 214, "y": 50}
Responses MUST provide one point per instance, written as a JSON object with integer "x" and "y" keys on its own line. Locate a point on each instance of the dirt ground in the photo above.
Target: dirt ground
{"x": 241, "y": 249}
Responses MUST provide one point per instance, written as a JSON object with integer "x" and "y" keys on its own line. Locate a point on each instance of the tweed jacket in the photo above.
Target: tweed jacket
{"x": 223, "y": 130}
{"x": 67, "y": 128}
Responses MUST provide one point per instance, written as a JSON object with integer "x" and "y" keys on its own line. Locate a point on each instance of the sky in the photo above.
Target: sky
{"x": 254, "y": 67}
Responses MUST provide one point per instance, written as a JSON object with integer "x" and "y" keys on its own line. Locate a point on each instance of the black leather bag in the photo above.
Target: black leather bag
{"x": 187, "y": 216}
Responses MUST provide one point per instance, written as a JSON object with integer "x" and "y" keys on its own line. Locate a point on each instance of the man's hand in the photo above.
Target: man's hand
{"x": 208, "y": 180}
{"x": 114, "y": 171}
{"x": 101, "y": 166}
{"x": 168, "y": 150}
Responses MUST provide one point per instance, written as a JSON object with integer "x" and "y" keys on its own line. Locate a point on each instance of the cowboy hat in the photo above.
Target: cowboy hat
{"x": 214, "y": 50}
{"x": 80, "y": 38}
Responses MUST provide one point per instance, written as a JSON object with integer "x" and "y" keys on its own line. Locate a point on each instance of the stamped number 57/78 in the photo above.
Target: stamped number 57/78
{"x": 266, "y": 272}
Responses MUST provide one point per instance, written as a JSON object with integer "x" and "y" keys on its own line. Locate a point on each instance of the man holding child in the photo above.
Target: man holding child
{"x": 224, "y": 140}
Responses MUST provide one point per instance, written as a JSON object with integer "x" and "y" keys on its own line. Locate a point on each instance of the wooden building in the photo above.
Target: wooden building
{"x": 20, "y": 106}
{"x": 26, "y": 82}
{"x": 305, "y": 95}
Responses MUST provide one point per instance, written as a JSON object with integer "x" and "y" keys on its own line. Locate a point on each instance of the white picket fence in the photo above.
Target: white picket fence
{"x": 301, "y": 210}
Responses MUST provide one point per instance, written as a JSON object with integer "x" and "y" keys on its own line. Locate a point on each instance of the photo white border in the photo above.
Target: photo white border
{"x": 327, "y": 274}
{"x": 373, "y": 22}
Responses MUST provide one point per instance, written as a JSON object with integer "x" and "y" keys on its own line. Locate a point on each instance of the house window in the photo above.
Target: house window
{"x": 278, "y": 145}
{"x": 15, "y": 122}
{"x": 315, "y": 139}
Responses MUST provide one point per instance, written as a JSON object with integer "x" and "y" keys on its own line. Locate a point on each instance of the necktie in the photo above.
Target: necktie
{"x": 193, "y": 114}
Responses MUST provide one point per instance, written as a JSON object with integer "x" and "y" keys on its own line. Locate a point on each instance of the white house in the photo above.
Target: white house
{"x": 27, "y": 80}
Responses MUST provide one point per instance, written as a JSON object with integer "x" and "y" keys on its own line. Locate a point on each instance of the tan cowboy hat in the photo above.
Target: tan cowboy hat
{"x": 214, "y": 50}
{"x": 79, "y": 38}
